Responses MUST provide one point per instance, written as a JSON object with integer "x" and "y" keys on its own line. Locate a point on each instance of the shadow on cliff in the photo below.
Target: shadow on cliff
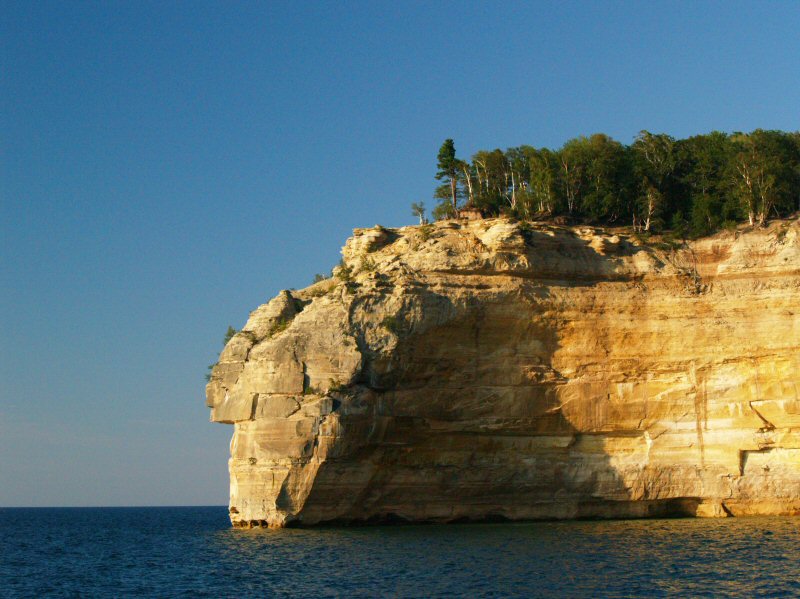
{"x": 581, "y": 258}
{"x": 464, "y": 420}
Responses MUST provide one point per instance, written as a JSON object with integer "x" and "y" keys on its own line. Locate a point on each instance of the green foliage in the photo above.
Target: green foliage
{"x": 336, "y": 386}
{"x": 318, "y": 278}
{"x": 607, "y": 179}
{"x": 730, "y": 225}
{"x": 447, "y": 163}
{"x": 657, "y": 183}
{"x": 542, "y": 199}
{"x": 418, "y": 210}
{"x": 367, "y": 265}
{"x": 320, "y": 291}
{"x": 425, "y": 232}
{"x": 344, "y": 273}
{"x": 448, "y": 169}
{"x": 679, "y": 225}
{"x": 764, "y": 173}
{"x": 443, "y": 211}
{"x": 229, "y": 334}
{"x": 309, "y": 389}
{"x": 278, "y": 326}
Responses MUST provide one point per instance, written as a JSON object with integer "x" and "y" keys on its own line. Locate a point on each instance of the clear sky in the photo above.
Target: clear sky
{"x": 169, "y": 166}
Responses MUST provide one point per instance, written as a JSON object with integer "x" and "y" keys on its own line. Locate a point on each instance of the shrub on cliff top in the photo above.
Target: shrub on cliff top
{"x": 278, "y": 327}
{"x": 367, "y": 265}
{"x": 425, "y": 232}
{"x": 343, "y": 272}
{"x": 229, "y": 334}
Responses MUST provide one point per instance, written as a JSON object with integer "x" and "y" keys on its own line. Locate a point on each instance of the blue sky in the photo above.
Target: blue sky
{"x": 167, "y": 167}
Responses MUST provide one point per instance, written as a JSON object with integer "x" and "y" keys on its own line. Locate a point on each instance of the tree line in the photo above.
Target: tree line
{"x": 691, "y": 186}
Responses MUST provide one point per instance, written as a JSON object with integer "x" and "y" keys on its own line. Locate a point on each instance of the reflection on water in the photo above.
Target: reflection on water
{"x": 194, "y": 552}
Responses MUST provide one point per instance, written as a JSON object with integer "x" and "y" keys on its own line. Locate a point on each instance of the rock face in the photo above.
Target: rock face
{"x": 491, "y": 369}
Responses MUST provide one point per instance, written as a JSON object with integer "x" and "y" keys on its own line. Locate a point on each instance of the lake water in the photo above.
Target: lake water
{"x": 193, "y": 552}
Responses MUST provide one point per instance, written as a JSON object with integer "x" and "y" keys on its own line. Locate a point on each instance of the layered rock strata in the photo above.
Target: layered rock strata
{"x": 493, "y": 369}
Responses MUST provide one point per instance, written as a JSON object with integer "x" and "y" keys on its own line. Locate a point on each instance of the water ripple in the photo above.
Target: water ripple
{"x": 193, "y": 552}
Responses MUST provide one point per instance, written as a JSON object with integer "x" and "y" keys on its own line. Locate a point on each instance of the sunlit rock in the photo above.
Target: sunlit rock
{"x": 490, "y": 369}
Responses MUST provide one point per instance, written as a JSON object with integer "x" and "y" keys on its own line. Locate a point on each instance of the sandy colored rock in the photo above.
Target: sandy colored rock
{"x": 482, "y": 369}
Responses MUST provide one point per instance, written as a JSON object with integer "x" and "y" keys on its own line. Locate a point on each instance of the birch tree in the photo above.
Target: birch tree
{"x": 418, "y": 210}
{"x": 572, "y": 158}
{"x": 656, "y": 161}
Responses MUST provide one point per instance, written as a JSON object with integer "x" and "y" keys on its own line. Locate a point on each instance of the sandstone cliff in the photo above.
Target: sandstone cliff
{"x": 492, "y": 369}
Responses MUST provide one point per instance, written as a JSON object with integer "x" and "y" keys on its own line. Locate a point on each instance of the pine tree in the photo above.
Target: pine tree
{"x": 448, "y": 168}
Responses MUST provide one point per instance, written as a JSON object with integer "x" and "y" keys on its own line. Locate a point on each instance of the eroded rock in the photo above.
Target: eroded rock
{"x": 491, "y": 369}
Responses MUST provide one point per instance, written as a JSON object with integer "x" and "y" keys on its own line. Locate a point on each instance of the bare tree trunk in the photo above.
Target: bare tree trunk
{"x": 513, "y": 191}
{"x": 651, "y": 210}
{"x": 478, "y": 166}
{"x": 468, "y": 178}
{"x": 568, "y": 187}
{"x": 747, "y": 179}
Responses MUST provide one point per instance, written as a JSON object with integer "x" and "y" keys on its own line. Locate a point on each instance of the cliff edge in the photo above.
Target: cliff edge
{"x": 495, "y": 369}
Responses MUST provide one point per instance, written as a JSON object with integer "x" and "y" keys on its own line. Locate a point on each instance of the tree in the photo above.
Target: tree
{"x": 543, "y": 176}
{"x": 493, "y": 194}
{"x": 448, "y": 166}
{"x": 767, "y": 180}
{"x": 229, "y": 334}
{"x": 605, "y": 196}
{"x": 445, "y": 208}
{"x": 518, "y": 169}
{"x": 656, "y": 161}
{"x": 467, "y": 171}
{"x": 443, "y": 211}
{"x": 763, "y": 176}
{"x": 701, "y": 164}
{"x": 572, "y": 158}
{"x": 693, "y": 185}
{"x": 418, "y": 210}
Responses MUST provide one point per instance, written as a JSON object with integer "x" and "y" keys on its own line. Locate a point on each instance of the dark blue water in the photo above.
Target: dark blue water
{"x": 193, "y": 552}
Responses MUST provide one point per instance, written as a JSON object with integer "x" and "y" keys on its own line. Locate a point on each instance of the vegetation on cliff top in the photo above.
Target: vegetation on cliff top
{"x": 691, "y": 186}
